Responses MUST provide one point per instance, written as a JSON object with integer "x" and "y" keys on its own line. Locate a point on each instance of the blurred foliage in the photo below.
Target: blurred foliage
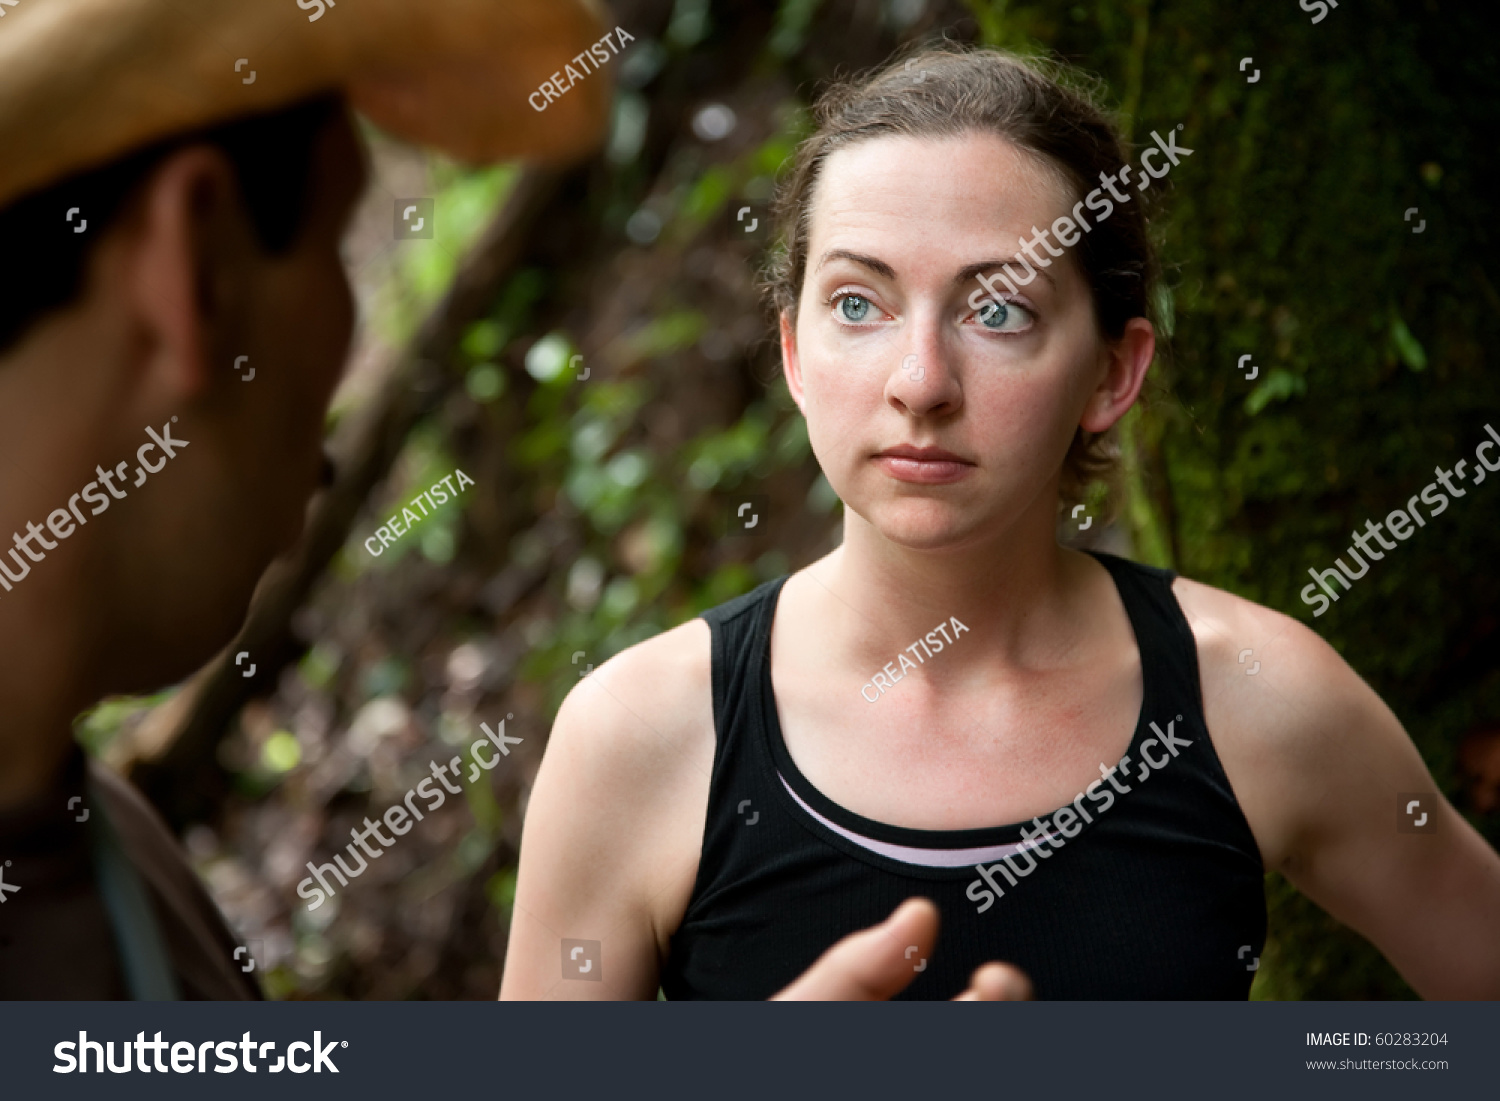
{"x": 601, "y": 509}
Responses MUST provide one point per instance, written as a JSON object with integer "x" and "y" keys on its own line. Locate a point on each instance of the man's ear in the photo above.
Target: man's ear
{"x": 187, "y": 267}
{"x": 791, "y": 367}
{"x": 1127, "y": 360}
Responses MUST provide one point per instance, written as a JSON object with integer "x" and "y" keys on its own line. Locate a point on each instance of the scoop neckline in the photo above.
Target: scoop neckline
{"x": 974, "y": 837}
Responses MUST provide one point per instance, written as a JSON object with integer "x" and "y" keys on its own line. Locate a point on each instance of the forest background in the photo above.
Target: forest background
{"x": 590, "y": 347}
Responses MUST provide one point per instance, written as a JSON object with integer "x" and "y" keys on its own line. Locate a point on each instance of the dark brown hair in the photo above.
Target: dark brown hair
{"x": 1043, "y": 108}
{"x": 272, "y": 156}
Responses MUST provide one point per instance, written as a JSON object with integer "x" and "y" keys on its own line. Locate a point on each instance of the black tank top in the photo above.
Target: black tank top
{"x": 1148, "y": 885}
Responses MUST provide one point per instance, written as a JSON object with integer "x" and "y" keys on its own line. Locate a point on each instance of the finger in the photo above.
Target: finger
{"x": 997, "y": 982}
{"x": 873, "y": 964}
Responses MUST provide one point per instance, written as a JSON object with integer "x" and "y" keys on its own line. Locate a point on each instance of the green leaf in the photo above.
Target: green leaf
{"x": 1166, "y": 309}
{"x": 793, "y": 18}
{"x": 706, "y": 198}
{"x": 662, "y": 336}
{"x": 1407, "y": 346}
{"x": 1278, "y": 385}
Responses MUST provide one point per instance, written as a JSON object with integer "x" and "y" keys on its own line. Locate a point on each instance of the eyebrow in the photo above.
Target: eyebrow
{"x": 971, "y": 271}
{"x": 965, "y": 274}
{"x": 879, "y": 266}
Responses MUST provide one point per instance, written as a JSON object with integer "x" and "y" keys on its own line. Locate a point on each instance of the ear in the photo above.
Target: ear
{"x": 791, "y": 367}
{"x": 187, "y": 269}
{"x": 1126, "y": 362}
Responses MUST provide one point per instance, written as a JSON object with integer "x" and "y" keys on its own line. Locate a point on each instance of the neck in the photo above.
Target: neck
{"x": 40, "y": 689}
{"x": 1013, "y": 590}
{"x": 49, "y": 611}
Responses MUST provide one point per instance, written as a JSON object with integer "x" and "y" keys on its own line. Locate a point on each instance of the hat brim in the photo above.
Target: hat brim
{"x": 84, "y": 81}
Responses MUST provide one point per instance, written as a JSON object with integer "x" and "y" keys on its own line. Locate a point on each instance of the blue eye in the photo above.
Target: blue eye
{"x": 859, "y": 311}
{"x": 1003, "y": 317}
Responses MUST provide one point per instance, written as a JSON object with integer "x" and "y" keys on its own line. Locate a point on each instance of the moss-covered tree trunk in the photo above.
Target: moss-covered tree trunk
{"x": 1369, "y": 330}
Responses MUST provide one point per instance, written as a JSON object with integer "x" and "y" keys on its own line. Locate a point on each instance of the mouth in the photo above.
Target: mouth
{"x": 923, "y": 465}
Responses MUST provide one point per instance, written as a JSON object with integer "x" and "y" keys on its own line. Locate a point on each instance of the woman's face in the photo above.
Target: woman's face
{"x": 888, "y": 352}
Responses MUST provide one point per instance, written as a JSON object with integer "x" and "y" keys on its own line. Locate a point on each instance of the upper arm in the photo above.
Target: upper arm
{"x": 614, "y": 822}
{"x": 1324, "y": 770}
{"x": 1429, "y": 897}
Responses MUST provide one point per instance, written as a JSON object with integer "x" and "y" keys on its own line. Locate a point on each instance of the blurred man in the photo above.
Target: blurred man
{"x": 172, "y": 197}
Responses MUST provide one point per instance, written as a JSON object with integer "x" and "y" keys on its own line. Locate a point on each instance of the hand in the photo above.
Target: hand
{"x": 873, "y": 965}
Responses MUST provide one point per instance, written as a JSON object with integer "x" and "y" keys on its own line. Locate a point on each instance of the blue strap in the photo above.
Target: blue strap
{"x": 143, "y": 953}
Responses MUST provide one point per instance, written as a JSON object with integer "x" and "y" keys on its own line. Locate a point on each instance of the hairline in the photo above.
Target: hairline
{"x": 946, "y": 132}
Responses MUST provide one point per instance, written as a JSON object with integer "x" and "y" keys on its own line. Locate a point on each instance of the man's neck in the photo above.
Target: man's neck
{"x": 45, "y": 671}
{"x": 35, "y": 753}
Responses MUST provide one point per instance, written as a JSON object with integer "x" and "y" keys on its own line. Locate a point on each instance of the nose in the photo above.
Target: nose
{"x": 923, "y": 381}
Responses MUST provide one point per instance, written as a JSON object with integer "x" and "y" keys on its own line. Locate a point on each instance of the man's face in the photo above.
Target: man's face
{"x": 207, "y": 526}
{"x": 297, "y": 325}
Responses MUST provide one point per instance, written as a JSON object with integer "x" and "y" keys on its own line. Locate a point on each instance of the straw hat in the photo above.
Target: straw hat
{"x": 84, "y": 81}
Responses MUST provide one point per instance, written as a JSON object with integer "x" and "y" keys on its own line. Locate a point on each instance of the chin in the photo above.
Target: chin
{"x": 919, "y": 524}
{"x": 170, "y": 650}
{"x": 294, "y": 513}
{"x": 289, "y": 535}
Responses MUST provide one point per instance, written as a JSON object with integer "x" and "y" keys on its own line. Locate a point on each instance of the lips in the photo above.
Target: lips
{"x": 922, "y": 454}
{"x": 923, "y": 465}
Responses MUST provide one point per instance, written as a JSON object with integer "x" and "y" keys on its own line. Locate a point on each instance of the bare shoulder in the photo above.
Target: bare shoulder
{"x": 1239, "y": 642}
{"x": 615, "y": 819}
{"x": 1291, "y": 721}
{"x": 644, "y": 715}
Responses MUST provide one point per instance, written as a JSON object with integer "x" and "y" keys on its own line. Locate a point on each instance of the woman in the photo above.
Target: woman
{"x": 1063, "y": 752}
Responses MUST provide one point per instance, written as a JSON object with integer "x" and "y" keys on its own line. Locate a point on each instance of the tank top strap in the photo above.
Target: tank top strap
{"x": 741, "y": 627}
{"x": 741, "y": 630}
{"x": 1162, "y": 634}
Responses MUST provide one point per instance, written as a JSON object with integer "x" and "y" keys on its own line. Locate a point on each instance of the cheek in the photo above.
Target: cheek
{"x": 841, "y": 403}
{"x": 1034, "y": 403}
{"x": 316, "y": 317}
{"x": 1028, "y": 419}
{"x": 334, "y": 324}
